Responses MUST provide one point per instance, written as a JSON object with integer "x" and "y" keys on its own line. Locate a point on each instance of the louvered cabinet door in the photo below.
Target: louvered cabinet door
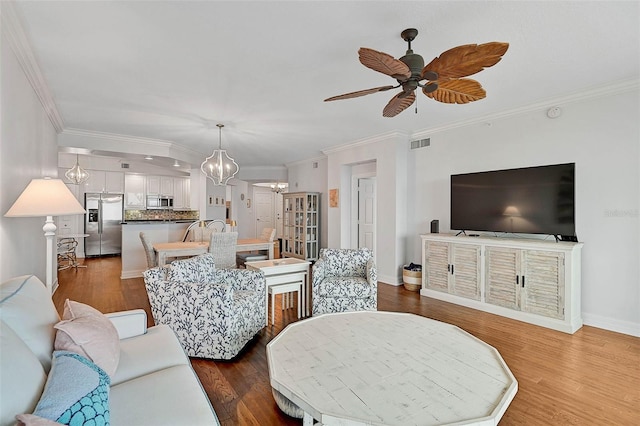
{"x": 502, "y": 266}
{"x": 436, "y": 267}
{"x": 543, "y": 291}
{"x": 465, "y": 259}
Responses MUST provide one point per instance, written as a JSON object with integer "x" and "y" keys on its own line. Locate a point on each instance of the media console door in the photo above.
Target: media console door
{"x": 453, "y": 268}
{"x": 530, "y": 280}
{"x": 526, "y": 280}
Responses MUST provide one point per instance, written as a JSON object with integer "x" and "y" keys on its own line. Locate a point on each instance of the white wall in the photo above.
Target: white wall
{"x": 601, "y": 135}
{"x": 28, "y": 150}
{"x": 389, "y": 152}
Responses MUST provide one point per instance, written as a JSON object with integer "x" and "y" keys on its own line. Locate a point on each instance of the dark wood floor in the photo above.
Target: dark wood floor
{"x": 589, "y": 378}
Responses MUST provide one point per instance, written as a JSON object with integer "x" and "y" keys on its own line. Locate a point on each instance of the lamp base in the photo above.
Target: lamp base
{"x": 49, "y": 229}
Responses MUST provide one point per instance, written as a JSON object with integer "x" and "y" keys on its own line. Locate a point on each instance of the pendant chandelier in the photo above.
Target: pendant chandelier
{"x": 77, "y": 174}
{"x": 278, "y": 187}
{"x": 219, "y": 167}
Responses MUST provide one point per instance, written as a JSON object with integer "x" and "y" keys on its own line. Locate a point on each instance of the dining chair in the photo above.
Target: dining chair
{"x": 189, "y": 231}
{"x": 218, "y": 225}
{"x": 223, "y": 248}
{"x": 149, "y": 251}
{"x": 267, "y": 234}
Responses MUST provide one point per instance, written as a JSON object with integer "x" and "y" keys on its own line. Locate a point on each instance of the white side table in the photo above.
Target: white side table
{"x": 285, "y": 271}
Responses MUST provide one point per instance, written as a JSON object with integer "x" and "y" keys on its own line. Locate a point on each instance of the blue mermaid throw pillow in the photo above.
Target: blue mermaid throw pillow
{"x": 76, "y": 393}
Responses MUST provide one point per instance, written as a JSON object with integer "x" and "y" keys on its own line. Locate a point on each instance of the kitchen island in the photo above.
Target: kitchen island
{"x": 134, "y": 259}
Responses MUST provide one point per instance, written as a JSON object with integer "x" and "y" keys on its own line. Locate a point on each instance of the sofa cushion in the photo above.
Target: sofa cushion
{"x": 155, "y": 350}
{"x": 346, "y": 262}
{"x": 76, "y": 393}
{"x": 354, "y": 287}
{"x": 26, "y": 306}
{"x": 169, "y": 388}
{"x": 22, "y": 376}
{"x": 197, "y": 269}
{"x": 86, "y": 331}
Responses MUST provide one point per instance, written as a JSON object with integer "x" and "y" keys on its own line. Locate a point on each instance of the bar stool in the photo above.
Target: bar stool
{"x": 67, "y": 253}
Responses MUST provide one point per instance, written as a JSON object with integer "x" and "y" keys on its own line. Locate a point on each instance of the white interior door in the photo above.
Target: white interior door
{"x": 264, "y": 210}
{"x": 279, "y": 209}
{"x": 367, "y": 213}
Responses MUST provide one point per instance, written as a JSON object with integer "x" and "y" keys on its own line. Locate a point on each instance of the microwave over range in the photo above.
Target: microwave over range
{"x": 159, "y": 202}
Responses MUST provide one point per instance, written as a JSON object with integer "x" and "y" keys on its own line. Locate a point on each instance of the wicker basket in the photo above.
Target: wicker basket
{"x": 412, "y": 280}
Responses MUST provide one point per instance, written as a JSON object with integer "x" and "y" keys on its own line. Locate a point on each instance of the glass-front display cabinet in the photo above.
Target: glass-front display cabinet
{"x": 301, "y": 225}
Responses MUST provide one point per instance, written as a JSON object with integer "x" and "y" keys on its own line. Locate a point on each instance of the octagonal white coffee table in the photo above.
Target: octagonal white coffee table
{"x": 386, "y": 368}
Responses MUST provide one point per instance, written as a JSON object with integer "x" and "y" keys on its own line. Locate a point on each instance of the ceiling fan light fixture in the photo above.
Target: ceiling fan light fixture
{"x": 77, "y": 174}
{"x": 444, "y": 74}
{"x": 219, "y": 167}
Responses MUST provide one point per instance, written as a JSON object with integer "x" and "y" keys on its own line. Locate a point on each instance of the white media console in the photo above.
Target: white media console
{"x": 531, "y": 280}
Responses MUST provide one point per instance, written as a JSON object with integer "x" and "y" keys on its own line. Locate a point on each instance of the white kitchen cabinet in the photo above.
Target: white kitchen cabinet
{"x": 134, "y": 192}
{"x": 160, "y": 185}
{"x": 153, "y": 185}
{"x": 166, "y": 186}
{"x": 114, "y": 182}
{"x": 95, "y": 183}
{"x": 530, "y": 280}
{"x": 181, "y": 193}
{"x": 104, "y": 182}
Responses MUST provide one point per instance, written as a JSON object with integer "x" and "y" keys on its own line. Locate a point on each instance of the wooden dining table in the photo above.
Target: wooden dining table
{"x": 193, "y": 248}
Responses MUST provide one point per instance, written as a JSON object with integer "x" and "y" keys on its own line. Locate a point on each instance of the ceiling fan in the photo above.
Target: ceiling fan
{"x": 443, "y": 75}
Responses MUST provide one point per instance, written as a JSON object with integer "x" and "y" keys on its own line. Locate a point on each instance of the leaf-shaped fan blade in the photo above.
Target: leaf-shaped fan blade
{"x": 398, "y": 104}
{"x": 458, "y": 91}
{"x": 360, "y": 93}
{"x": 466, "y": 60}
{"x": 384, "y": 63}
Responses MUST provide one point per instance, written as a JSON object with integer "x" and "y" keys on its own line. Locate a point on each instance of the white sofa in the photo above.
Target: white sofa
{"x": 154, "y": 383}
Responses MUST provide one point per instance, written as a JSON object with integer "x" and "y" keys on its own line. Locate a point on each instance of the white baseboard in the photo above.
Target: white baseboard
{"x": 390, "y": 280}
{"x": 611, "y": 324}
{"x": 131, "y": 274}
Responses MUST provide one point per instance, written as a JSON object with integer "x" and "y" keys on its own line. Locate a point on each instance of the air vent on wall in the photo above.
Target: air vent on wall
{"x": 124, "y": 165}
{"x": 420, "y": 143}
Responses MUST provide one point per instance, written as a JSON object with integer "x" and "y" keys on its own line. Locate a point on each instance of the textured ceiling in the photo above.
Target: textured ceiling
{"x": 170, "y": 70}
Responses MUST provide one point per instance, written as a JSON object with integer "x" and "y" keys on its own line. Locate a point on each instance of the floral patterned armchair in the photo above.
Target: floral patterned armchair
{"x": 344, "y": 280}
{"x": 214, "y": 312}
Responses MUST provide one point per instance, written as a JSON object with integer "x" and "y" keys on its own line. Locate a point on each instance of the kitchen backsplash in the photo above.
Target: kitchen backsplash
{"x": 161, "y": 215}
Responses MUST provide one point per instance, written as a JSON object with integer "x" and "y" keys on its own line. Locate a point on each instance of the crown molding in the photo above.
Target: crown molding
{"x": 615, "y": 88}
{"x": 116, "y": 137}
{"x": 382, "y": 137}
{"x": 592, "y": 93}
{"x": 19, "y": 42}
{"x": 306, "y": 161}
{"x": 91, "y": 134}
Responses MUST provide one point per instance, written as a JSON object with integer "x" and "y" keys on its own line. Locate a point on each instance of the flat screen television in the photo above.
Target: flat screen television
{"x": 531, "y": 200}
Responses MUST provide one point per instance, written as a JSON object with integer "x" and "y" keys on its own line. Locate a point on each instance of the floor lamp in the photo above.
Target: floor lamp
{"x": 46, "y": 197}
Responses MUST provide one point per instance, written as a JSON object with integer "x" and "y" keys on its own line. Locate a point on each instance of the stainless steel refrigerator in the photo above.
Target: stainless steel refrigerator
{"x": 103, "y": 223}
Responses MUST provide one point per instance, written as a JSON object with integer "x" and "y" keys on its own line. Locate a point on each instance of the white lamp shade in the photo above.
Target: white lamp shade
{"x": 511, "y": 211}
{"x": 45, "y": 197}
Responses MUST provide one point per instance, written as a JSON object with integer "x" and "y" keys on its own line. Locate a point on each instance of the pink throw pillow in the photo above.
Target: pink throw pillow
{"x": 86, "y": 331}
